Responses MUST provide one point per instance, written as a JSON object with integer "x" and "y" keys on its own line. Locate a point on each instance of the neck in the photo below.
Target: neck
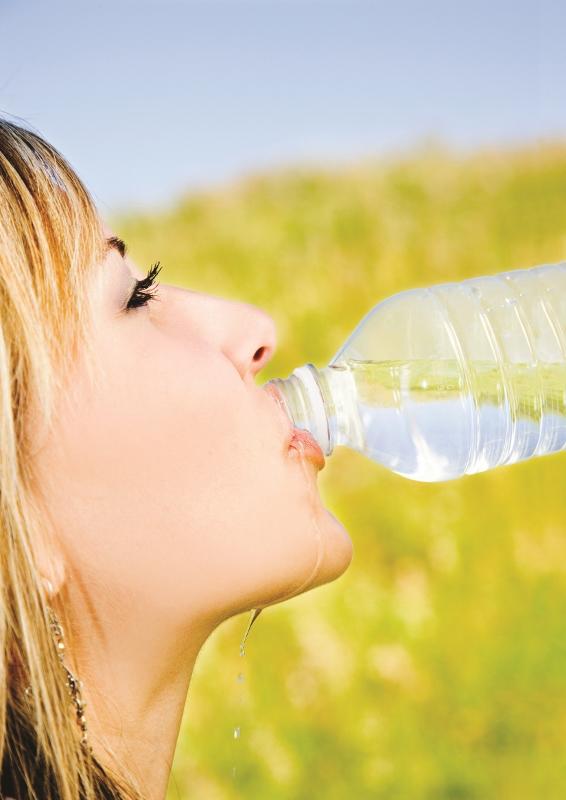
{"x": 135, "y": 683}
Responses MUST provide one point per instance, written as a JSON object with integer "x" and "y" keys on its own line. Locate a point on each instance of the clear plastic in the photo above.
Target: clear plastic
{"x": 450, "y": 380}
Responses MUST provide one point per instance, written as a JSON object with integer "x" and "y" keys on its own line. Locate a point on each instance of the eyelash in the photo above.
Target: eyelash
{"x": 144, "y": 290}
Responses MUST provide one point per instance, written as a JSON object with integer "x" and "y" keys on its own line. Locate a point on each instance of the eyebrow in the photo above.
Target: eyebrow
{"x": 117, "y": 244}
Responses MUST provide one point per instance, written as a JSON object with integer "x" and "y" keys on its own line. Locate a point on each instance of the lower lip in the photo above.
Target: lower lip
{"x": 302, "y": 441}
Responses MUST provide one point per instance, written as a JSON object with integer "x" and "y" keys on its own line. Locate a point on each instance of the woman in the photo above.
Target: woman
{"x": 148, "y": 491}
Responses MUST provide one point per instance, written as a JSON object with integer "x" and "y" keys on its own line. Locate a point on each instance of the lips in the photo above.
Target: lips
{"x": 297, "y": 438}
{"x": 304, "y": 443}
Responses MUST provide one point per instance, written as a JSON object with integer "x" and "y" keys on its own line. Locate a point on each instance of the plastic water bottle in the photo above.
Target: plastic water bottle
{"x": 450, "y": 380}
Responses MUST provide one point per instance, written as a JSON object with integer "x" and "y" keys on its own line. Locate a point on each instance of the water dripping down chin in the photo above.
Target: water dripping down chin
{"x": 306, "y": 466}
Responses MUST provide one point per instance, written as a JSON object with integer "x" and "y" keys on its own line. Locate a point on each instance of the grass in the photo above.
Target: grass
{"x": 435, "y": 668}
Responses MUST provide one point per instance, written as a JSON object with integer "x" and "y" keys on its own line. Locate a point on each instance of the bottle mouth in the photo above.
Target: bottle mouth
{"x": 302, "y": 399}
{"x": 316, "y": 419}
{"x": 272, "y": 390}
{"x": 298, "y": 438}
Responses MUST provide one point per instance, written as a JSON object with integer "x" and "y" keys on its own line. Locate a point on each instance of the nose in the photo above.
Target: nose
{"x": 250, "y": 337}
{"x": 243, "y": 332}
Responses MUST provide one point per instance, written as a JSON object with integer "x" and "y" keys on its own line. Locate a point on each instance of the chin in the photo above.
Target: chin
{"x": 327, "y": 560}
{"x": 337, "y": 552}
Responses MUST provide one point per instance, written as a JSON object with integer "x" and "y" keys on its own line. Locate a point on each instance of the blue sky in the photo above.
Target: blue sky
{"x": 149, "y": 99}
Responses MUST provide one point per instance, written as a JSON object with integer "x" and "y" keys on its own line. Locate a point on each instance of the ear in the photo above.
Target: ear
{"x": 51, "y": 566}
{"x": 52, "y": 584}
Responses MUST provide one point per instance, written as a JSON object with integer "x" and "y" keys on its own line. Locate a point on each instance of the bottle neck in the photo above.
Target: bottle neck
{"x": 324, "y": 403}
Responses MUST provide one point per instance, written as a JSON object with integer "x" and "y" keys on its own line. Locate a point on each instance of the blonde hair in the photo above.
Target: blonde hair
{"x": 51, "y": 238}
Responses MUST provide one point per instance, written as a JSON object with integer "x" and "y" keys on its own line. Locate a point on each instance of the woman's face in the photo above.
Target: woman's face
{"x": 170, "y": 482}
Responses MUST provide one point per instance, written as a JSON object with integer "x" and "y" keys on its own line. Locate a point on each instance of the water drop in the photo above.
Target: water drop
{"x": 237, "y": 732}
{"x": 255, "y": 614}
{"x": 240, "y": 677}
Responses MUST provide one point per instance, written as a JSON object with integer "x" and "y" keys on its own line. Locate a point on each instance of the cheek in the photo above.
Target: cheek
{"x": 238, "y": 513}
{"x": 120, "y": 464}
{"x": 169, "y": 485}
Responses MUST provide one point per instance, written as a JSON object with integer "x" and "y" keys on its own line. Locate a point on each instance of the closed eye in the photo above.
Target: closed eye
{"x": 144, "y": 289}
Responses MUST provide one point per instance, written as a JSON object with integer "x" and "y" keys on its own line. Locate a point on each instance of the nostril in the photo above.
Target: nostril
{"x": 259, "y": 354}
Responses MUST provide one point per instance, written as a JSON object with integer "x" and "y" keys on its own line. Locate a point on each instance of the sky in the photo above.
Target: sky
{"x": 149, "y": 100}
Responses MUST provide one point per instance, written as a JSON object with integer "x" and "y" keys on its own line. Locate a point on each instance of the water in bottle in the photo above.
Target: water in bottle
{"x": 450, "y": 380}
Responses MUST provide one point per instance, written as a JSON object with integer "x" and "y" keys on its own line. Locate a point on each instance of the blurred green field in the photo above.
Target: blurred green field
{"x": 435, "y": 668}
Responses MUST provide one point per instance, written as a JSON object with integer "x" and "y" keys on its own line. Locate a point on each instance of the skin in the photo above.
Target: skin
{"x": 177, "y": 503}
